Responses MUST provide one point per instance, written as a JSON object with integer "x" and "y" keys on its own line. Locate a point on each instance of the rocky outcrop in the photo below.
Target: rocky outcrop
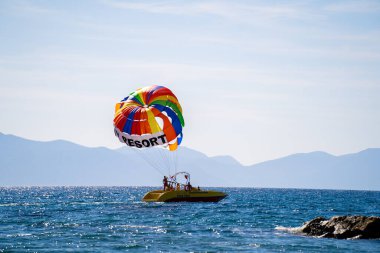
{"x": 343, "y": 227}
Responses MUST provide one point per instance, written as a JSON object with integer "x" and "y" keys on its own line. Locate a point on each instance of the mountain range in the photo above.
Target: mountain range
{"x": 61, "y": 163}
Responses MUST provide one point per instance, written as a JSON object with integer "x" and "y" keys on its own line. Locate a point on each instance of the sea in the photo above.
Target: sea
{"x": 114, "y": 219}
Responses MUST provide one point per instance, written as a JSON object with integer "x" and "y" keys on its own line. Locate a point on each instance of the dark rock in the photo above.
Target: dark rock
{"x": 343, "y": 227}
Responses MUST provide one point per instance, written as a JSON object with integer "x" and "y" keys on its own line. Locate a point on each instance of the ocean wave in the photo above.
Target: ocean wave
{"x": 157, "y": 229}
{"x": 135, "y": 226}
{"x": 19, "y": 235}
{"x": 22, "y": 204}
{"x": 255, "y": 245}
{"x": 10, "y": 204}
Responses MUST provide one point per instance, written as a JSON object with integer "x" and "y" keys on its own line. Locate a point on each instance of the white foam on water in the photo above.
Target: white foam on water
{"x": 238, "y": 231}
{"x": 19, "y": 235}
{"x": 135, "y": 226}
{"x": 293, "y": 230}
{"x": 10, "y": 204}
{"x": 255, "y": 245}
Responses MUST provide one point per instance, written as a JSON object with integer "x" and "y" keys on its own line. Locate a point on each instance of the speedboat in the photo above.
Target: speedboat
{"x": 182, "y": 195}
{"x": 178, "y": 192}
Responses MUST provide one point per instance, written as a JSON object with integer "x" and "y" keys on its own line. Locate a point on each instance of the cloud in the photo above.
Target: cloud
{"x": 30, "y": 8}
{"x": 354, "y": 7}
{"x": 224, "y": 9}
{"x": 83, "y": 71}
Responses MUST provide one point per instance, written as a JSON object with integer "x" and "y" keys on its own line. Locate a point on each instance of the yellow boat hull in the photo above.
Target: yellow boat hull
{"x": 182, "y": 195}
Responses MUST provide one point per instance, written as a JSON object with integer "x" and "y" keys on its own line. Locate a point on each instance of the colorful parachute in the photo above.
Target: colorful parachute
{"x": 149, "y": 117}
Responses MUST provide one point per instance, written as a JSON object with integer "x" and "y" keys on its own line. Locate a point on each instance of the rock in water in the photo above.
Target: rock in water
{"x": 344, "y": 227}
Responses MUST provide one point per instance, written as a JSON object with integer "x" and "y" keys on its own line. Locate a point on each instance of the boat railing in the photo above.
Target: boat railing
{"x": 174, "y": 185}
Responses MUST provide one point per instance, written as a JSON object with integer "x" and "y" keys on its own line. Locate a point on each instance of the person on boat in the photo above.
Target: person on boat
{"x": 165, "y": 181}
{"x": 188, "y": 187}
{"x": 171, "y": 186}
{"x": 178, "y": 188}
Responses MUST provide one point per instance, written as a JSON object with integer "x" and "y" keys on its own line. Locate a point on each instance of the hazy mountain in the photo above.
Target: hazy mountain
{"x": 321, "y": 170}
{"x": 26, "y": 162}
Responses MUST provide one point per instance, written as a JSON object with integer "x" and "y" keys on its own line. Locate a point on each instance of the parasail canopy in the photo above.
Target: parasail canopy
{"x": 149, "y": 117}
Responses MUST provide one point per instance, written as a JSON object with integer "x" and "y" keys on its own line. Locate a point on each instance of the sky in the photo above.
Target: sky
{"x": 257, "y": 80}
